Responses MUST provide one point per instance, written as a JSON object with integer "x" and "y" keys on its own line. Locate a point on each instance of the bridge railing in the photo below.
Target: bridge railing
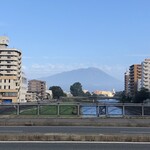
{"x": 77, "y": 109}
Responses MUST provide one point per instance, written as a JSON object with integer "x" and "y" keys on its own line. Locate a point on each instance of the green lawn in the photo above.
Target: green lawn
{"x": 70, "y": 110}
{"x": 8, "y": 110}
{"x": 28, "y": 110}
{"x": 48, "y": 110}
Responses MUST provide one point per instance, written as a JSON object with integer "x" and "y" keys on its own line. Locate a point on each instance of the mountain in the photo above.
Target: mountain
{"x": 90, "y": 78}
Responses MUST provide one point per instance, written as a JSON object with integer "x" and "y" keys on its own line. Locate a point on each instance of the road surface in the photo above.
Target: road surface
{"x": 73, "y": 146}
{"x": 75, "y": 130}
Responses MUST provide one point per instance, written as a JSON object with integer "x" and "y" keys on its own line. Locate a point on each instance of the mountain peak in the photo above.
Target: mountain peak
{"x": 91, "y": 79}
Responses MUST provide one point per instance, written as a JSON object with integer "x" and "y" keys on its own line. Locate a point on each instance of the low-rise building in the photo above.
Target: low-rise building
{"x": 31, "y": 97}
{"x": 104, "y": 93}
{"x": 38, "y": 87}
{"x": 24, "y": 85}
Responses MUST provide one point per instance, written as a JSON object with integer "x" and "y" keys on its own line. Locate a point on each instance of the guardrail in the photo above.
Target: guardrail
{"x": 77, "y": 109}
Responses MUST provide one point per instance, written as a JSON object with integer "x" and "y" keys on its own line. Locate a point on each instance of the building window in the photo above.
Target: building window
{"x": 9, "y": 87}
{"x": 4, "y": 80}
{"x": 9, "y": 80}
{"x": 4, "y": 87}
{"x": 8, "y": 52}
{"x": 8, "y": 66}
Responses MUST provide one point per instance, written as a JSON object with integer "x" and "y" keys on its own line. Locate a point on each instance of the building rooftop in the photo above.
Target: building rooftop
{"x": 4, "y": 40}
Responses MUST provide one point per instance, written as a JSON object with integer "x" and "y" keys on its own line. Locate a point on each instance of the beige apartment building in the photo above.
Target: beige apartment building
{"x": 38, "y": 87}
{"x": 134, "y": 77}
{"x": 10, "y": 72}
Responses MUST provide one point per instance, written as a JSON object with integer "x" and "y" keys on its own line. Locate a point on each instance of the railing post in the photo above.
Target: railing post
{"x": 18, "y": 108}
{"x": 58, "y": 109}
{"x": 97, "y": 110}
{"x": 123, "y": 110}
{"x": 142, "y": 109}
{"x": 38, "y": 109}
{"x": 106, "y": 110}
{"x": 78, "y": 109}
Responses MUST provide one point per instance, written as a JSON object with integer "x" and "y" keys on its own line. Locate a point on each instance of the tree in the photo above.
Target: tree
{"x": 87, "y": 94}
{"x": 76, "y": 89}
{"x": 57, "y": 92}
{"x": 141, "y": 95}
{"x": 123, "y": 97}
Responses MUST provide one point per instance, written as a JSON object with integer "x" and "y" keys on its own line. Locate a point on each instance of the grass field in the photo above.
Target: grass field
{"x": 49, "y": 110}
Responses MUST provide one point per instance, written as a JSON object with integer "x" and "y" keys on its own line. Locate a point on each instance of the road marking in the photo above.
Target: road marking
{"x": 11, "y": 131}
{"x": 106, "y": 127}
{"x": 75, "y": 142}
{"x": 134, "y": 132}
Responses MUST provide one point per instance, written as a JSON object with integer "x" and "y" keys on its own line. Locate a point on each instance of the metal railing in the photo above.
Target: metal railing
{"x": 77, "y": 109}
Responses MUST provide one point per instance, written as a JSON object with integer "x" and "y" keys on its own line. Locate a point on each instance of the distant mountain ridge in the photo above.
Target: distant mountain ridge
{"x": 90, "y": 78}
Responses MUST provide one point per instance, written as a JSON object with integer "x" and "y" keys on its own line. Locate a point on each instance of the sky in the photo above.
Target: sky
{"x": 62, "y": 35}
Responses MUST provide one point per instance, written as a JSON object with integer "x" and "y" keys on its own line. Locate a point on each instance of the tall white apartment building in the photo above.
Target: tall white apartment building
{"x": 145, "y": 80}
{"x": 10, "y": 72}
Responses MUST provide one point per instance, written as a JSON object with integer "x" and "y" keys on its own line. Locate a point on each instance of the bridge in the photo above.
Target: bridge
{"x": 105, "y": 97}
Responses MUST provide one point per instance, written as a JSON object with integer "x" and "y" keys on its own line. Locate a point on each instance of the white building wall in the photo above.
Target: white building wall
{"x": 24, "y": 86}
{"x": 139, "y": 86}
{"x": 145, "y": 81}
{"x": 10, "y": 71}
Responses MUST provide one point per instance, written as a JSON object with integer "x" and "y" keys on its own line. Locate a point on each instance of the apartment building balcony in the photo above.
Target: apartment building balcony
{"x": 8, "y": 63}
{"x": 8, "y": 58}
{"x": 145, "y": 79}
{"x": 8, "y": 73}
{"x": 145, "y": 71}
{"x": 5, "y": 68}
{"x": 131, "y": 78}
{"x": 9, "y": 53}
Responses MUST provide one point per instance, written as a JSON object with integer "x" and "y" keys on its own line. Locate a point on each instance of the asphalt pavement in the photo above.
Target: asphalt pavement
{"x": 47, "y": 121}
{"x": 83, "y": 130}
{"x": 73, "y": 146}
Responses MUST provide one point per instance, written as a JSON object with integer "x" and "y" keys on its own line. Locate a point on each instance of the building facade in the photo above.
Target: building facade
{"x": 105, "y": 93}
{"x": 31, "y": 97}
{"x": 10, "y": 72}
{"x": 24, "y": 86}
{"x": 134, "y": 76}
{"x": 38, "y": 87}
{"x": 126, "y": 83}
{"x": 145, "y": 81}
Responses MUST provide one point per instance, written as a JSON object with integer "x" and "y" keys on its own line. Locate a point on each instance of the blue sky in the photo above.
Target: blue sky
{"x": 62, "y": 35}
